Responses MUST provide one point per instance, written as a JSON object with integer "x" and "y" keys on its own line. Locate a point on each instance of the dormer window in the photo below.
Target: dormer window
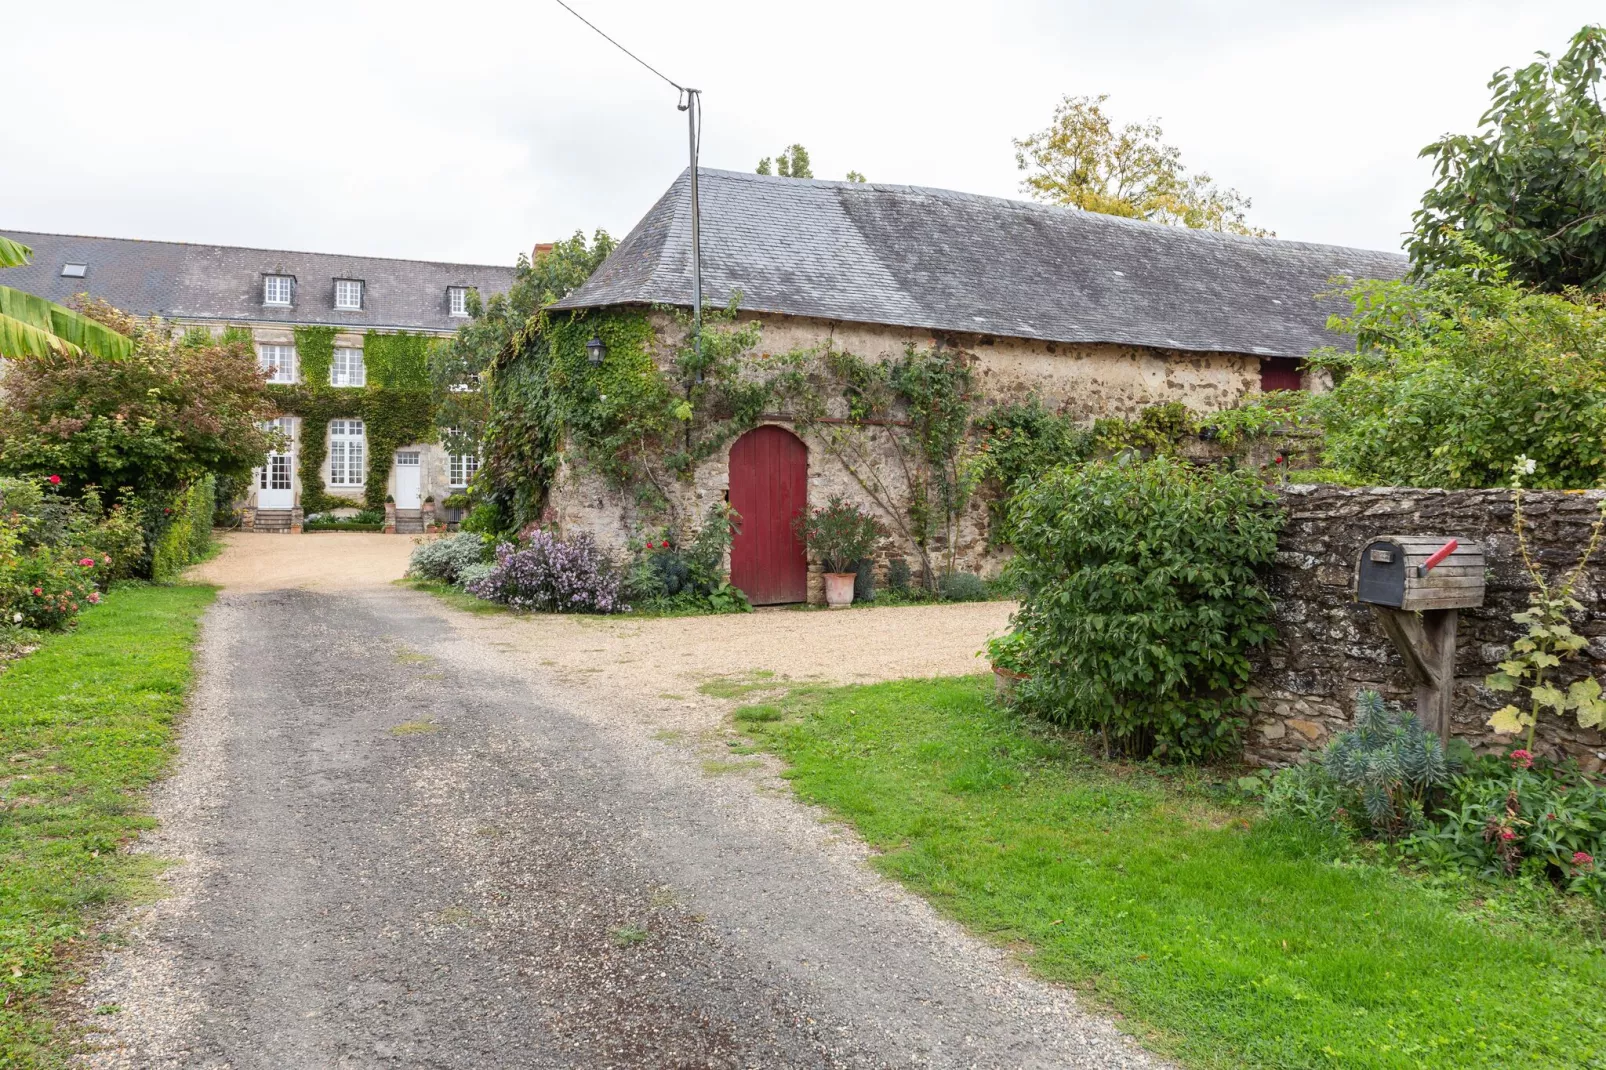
{"x": 457, "y": 300}
{"x": 276, "y": 290}
{"x": 74, "y": 271}
{"x": 348, "y": 295}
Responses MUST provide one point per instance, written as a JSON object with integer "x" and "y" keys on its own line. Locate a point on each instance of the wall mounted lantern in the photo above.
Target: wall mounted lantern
{"x": 595, "y": 351}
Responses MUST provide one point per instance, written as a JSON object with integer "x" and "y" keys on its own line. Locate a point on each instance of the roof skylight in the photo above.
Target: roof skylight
{"x": 73, "y": 271}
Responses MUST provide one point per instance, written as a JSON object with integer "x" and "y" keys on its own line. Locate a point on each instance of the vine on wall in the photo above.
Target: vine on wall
{"x": 396, "y": 408}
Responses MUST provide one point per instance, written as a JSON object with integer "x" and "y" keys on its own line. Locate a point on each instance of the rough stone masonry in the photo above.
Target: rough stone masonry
{"x": 1329, "y": 646}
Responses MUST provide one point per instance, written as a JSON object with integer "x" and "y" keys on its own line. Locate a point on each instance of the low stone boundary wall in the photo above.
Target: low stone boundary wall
{"x": 1330, "y": 647}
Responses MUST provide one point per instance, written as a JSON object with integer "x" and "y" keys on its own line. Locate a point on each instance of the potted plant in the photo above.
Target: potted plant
{"x": 1007, "y": 653}
{"x": 839, "y": 536}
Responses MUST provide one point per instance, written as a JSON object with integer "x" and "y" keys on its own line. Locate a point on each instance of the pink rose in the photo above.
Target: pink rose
{"x": 37, "y": 591}
{"x": 87, "y": 562}
{"x": 55, "y": 481}
{"x": 94, "y": 598}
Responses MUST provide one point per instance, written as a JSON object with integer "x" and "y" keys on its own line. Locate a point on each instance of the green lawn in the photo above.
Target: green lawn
{"x": 85, "y": 723}
{"x": 1226, "y": 941}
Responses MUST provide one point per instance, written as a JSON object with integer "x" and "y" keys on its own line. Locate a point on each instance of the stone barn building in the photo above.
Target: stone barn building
{"x": 1094, "y": 315}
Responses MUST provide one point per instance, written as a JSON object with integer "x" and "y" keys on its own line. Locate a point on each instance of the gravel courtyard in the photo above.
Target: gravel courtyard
{"x": 406, "y": 835}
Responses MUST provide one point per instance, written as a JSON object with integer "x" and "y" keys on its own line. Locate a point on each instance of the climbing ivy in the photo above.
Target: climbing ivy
{"x": 396, "y": 408}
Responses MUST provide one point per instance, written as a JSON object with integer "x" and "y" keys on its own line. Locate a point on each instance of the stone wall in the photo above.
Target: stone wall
{"x": 1331, "y": 647}
{"x": 1086, "y": 381}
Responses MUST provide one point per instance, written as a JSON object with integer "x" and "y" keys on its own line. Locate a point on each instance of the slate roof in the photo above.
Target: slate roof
{"x": 179, "y": 280}
{"x": 945, "y": 261}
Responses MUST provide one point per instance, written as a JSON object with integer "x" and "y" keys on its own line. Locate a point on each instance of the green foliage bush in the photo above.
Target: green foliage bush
{"x": 446, "y": 560}
{"x": 187, "y": 536}
{"x": 1143, "y": 599}
{"x": 1516, "y": 815}
{"x": 1019, "y": 442}
{"x": 1381, "y": 776}
{"x": 669, "y": 576}
{"x": 1454, "y": 377}
{"x": 964, "y": 587}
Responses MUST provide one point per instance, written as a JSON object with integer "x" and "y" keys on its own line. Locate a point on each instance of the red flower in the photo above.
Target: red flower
{"x": 87, "y": 562}
{"x": 1522, "y": 759}
{"x": 1277, "y": 459}
{"x": 1583, "y": 858}
{"x": 55, "y": 481}
{"x": 1507, "y": 834}
{"x": 38, "y": 591}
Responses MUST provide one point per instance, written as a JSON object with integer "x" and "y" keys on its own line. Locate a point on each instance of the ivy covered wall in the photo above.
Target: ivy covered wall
{"x": 396, "y": 407}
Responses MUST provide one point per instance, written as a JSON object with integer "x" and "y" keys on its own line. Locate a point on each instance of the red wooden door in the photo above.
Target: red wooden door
{"x": 769, "y": 491}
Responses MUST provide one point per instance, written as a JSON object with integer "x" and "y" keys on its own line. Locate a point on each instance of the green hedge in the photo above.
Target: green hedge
{"x": 188, "y": 537}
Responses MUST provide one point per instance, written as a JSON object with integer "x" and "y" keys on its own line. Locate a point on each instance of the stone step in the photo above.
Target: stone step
{"x": 275, "y": 521}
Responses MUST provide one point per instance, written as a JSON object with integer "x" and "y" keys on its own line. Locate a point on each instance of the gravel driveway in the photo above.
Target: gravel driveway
{"x": 408, "y": 836}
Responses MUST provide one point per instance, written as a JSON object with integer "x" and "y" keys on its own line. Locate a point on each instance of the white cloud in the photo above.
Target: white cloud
{"x": 469, "y": 132}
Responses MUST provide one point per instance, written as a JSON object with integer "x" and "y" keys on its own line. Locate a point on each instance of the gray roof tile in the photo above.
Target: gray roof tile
{"x": 939, "y": 260}
{"x": 179, "y": 280}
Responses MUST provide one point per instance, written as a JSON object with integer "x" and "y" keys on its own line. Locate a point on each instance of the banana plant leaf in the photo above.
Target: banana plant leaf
{"x": 13, "y": 253}
{"x": 33, "y": 327}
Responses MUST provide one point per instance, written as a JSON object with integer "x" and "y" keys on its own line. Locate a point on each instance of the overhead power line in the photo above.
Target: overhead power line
{"x": 621, "y": 47}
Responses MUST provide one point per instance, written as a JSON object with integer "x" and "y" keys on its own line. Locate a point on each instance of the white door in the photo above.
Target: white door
{"x": 408, "y": 479}
{"x": 275, "y": 485}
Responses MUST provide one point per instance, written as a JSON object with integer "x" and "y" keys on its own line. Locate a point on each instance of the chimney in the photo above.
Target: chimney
{"x": 541, "y": 247}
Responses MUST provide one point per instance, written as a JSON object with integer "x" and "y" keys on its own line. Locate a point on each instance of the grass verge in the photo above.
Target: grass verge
{"x": 1225, "y": 940}
{"x": 86, "y": 722}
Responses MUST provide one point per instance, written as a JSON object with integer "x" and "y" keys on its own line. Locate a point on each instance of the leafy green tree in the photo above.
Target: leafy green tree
{"x": 856, "y": 176}
{"x": 166, "y": 415}
{"x": 1454, "y": 377}
{"x": 1082, "y": 160}
{"x": 457, "y": 369}
{"x": 32, "y": 326}
{"x": 1530, "y": 188}
{"x": 792, "y": 162}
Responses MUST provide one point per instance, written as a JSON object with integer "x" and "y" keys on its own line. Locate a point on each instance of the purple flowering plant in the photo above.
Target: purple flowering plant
{"x": 553, "y": 575}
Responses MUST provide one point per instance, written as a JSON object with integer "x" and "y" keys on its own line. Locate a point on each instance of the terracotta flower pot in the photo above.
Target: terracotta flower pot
{"x": 839, "y": 589}
{"x": 1005, "y": 681}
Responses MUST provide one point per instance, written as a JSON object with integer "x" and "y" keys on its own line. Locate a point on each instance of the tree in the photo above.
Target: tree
{"x": 856, "y": 176}
{"x": 456, "y": 369}
{"x": 1531, "y": 187}
{"x": 792, "y": 162}
{"x": 32, "y": 326}
{"x": 1082, "y": 160}
{"x": 171, "y": 411}
{"x": 1456, "y": 375}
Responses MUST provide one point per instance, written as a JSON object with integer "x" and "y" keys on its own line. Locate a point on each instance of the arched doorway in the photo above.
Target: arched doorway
{"x": 769, "y": 489}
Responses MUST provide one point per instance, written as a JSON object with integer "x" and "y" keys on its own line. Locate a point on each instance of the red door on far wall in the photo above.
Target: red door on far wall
{"x": 769, "y": 490}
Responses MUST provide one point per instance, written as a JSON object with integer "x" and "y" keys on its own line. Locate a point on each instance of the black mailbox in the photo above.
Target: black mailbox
{"x": 1420, "y": 572}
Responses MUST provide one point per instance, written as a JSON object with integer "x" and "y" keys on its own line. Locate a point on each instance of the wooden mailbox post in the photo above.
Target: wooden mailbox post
{"x": 1415, "y": 584}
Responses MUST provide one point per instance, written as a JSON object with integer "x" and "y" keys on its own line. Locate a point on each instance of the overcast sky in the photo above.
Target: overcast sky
{"x": 468, "y": 132}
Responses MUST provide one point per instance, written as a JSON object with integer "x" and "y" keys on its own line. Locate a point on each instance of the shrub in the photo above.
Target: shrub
{"x": 185, "y": 529}
{"x": 1385, "y": 768}
{"x": 1456, "y": 375}
{"x": 44, "y": 587}
{"x": 840, "y": 534}
{"x": 445, "y": 560}
{"x": 469, "y": 575}
{"x": 864, "y": 582}
{"x": 1019, "y": 442}
{"x": 1306, "y": 792}
{"x": 964, "y": 587}
{"x": 1142, "y": 599}
{"x": 553, "y": 575}
{"x": 898, "y": 575}
{"x": 669, "y": 576}
{"x": 1519, "y": 815}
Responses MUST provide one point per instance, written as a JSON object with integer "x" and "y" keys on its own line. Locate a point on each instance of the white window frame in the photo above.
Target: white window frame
{"x": 348, "y": 295}
{"x": 457, "y": 301}
{"x": 281, "y": 359}
{"x": 348, "y": 446}
{"x": 347, "y": 367}
{"x": 273, "y": 286}
{"x": 461, "y": 469}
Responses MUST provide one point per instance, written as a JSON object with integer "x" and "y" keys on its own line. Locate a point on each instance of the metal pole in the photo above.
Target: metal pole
{"x": 693, "y": 122}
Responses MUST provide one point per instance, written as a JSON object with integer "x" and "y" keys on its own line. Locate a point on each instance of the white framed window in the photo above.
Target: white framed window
{"x": 461, "y": 468}
{"x": 276, "y": 290}
{"x": 348, "y": 294}
{"x": 457, "y": 300}
{"x": 278, "y": 361}
{"x": 346, "y": 451}
{"x": 346, "y": 369}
